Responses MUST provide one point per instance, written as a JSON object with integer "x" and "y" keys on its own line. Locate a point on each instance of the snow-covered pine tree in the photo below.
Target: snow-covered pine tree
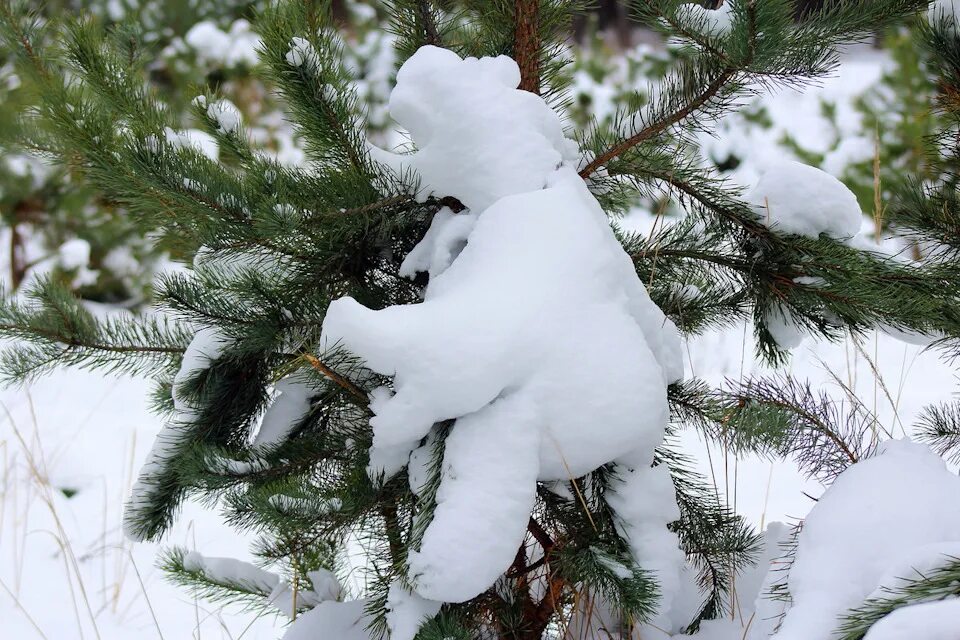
{"x": 450, "y": 358}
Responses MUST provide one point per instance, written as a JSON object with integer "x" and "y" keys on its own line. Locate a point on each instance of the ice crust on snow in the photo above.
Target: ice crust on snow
{"x": 531, "y": 304}
{"x": 792, "y": 197}
{"x": 883, "y": 514}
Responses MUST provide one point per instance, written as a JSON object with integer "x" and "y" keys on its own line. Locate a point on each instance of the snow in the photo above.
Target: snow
{"x": 302, "y": 53}
{"x": 89, "y": 432}
{"x": 206, "y": 346}
{"x": 616, "y": 568}
{"x": 122, "y": 262}
{"x": 478, "y": 138}
{"x": 333, "y": 620}
{"x": 325, "y": 584}
{"x": 84, "y": 417}
{"x": 200, "y": 141}
{"x": 783, "y": 329}
{"x": 850, "y": 151}
{"x": 540, "y": 265}
{"x": 418, "y": 468}
{"x": 232, "y": 48}
{"x": 926, "y": 621}
{"x": 386, "y": 460}
{"x": 287, "y": 410}
{"x": 406, "y": 612}
{"x": 717, "y": 21}
{"x": 231, "y": 571}
{"x": 325, "y": 587}
{"x": 489, "y": 309}
{"x": 757, "y": 607}
{"x": 913, "y": 564}
{"x": 943, "y": 9}
{"x": 881, "y": 508}
{"x": 74, "y": 253}
{"x": 279, "y": 593}
{"x": 445, "y": 239}
{"x": 798, "y": 114}
{"x": 486, "y": 494}
{"x": 792, "y": 197}
{"x": 644, "y": 500}
{"x": 721, "y": 629}
{"x": 225, "y": 114}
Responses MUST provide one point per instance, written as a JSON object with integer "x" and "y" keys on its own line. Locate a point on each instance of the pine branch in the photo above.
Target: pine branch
{"x": 337, "y": 379}
{"x": 248, "y": 596}
{"x": 56, "y": 329}
{"x": 782, "y": 416}
{"x": 429, "y": 23}
{"x": 939, "y": 427}
{"x": 662, "y": 125}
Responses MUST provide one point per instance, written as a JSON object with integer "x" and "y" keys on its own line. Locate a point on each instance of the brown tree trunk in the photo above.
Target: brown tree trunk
{"x": 526, "y": 43}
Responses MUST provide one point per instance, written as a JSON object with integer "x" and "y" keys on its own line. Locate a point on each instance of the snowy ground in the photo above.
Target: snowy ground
{"x": 71, "y": 444}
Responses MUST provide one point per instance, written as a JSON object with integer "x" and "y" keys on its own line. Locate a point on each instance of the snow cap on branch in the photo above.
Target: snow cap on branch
{"x": 792, "y": 197}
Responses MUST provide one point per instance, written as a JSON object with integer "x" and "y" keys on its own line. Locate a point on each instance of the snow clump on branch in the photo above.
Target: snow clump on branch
{"x": 535, "y": 334}
{"x": 792, "y": 197}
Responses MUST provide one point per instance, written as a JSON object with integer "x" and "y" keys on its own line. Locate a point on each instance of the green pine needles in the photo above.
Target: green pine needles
{"x": 274, "y": 245}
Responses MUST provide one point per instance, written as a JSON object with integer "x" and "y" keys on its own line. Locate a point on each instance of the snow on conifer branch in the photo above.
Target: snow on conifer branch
{"x": 55, "y": 329}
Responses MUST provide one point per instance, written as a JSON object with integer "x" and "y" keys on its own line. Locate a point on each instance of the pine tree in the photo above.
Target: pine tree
{"x": 271, "y": 422}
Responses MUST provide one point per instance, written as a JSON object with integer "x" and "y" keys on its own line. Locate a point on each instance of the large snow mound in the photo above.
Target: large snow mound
{"x": 535, "y": 333}
{"x": 881, "y": 517}
{"x": 792, "y": 197}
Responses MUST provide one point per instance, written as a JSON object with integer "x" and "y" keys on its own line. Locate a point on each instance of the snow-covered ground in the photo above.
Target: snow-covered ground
{"x": 71, "y": 445}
